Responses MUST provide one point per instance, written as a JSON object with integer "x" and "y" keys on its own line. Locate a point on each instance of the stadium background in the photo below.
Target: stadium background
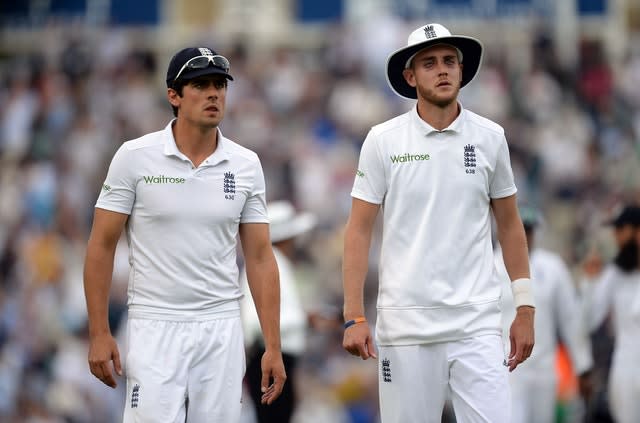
{"x": 79, "y": 77}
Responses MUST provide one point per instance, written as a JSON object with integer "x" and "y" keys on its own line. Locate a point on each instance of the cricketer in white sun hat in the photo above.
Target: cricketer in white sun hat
{"x": 469, "y": 52}
{"x": 286, "y": 223}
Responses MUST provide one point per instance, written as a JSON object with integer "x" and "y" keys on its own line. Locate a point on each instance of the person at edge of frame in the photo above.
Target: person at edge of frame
{"x": 612, "y": 299}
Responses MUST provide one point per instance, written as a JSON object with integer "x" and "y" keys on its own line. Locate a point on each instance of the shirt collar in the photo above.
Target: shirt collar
{"x": 171, "y": 149}
{"x": 427, "y": 129}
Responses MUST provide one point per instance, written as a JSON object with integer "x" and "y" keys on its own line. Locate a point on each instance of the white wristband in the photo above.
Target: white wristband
{"x": 522, "y": 295}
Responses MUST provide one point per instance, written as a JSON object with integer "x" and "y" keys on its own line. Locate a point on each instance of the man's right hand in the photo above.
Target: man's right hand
{"x": 102, "y": 350}
{"x": 357, "y": 341}
{"x": 585, "y": 385}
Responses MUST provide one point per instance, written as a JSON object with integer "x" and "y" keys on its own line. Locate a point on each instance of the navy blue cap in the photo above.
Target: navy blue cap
{"x": 630, "y": 215}
{"x": 186, "y": 54}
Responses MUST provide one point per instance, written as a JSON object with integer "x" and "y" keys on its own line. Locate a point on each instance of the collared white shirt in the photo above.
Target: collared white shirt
{"x": 618, "y": 293}
{"x": 183, "y": 222}
{"x": 437, "y": 279}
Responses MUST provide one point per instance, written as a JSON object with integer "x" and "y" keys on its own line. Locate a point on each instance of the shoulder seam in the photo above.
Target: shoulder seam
{"x": 148, "y": 140}
{"x": 391, "y": 124}
{"x": 484, "y": 123}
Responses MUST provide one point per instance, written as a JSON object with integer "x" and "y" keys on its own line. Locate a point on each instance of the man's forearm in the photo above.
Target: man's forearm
{"x": 515, "y": 254}
{"x": 98, "y": 269}
{"x": 354, "y": 271}
{"x": 265, "y": 290}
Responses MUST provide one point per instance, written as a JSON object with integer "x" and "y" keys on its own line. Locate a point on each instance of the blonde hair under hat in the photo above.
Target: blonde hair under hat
{"x": 469, "y": 49}
{"x": 286, "y": 223}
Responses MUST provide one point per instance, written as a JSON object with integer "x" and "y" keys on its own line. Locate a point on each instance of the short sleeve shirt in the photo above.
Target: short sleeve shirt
{"x": 435, "y": 189}
{"x": 183, "y": 221}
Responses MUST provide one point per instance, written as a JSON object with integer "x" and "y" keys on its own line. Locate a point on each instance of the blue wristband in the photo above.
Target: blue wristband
{"x": 350, "y": 323}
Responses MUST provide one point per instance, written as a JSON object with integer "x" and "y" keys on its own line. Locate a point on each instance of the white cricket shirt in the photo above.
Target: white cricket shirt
{"x": 183, "y": 222}
{"x": 617, "y": 292}
{"x": 437, "y": 279}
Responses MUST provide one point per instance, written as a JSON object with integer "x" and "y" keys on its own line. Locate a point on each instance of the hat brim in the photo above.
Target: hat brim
{"x": 471, "y": 58}
{"x": 299, "y": 225}
{"x": 209, "y": 70}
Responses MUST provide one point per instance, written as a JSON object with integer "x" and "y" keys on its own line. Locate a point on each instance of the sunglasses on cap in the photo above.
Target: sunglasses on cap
{"x": 201, "y": 62}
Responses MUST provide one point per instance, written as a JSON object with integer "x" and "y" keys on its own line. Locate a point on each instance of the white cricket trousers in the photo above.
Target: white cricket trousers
{"x": 624, "y": 390}
{"x": 416, "y": 380}
{"x": 533, "y": 395}
{"x": 184, "y": 371}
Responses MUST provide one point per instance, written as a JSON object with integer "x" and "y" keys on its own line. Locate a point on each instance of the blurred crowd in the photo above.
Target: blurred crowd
{"x": 66, "y": 106}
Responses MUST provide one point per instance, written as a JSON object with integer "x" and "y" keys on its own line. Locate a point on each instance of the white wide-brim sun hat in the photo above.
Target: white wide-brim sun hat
{"x": 425, "y": 36}
{"x": 286, "y": 223}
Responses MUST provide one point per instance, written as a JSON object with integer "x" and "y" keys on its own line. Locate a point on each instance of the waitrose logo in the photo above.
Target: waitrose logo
{"x": 162, "y": 179}
{"x": 408, "y": 157}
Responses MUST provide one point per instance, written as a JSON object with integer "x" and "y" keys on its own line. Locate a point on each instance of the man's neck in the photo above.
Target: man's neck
{"x": 439, "y": 117}
{"x": 197, "y": 143}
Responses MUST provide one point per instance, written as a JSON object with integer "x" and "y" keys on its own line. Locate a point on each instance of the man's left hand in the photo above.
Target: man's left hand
{"x": 521, "y": 336}
{"x": 273, "y": 376}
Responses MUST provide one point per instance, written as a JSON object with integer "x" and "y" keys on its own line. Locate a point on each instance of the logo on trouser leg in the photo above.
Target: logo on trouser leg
{"x": 135, "y": 396}
{"x": 386, "y": 370}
